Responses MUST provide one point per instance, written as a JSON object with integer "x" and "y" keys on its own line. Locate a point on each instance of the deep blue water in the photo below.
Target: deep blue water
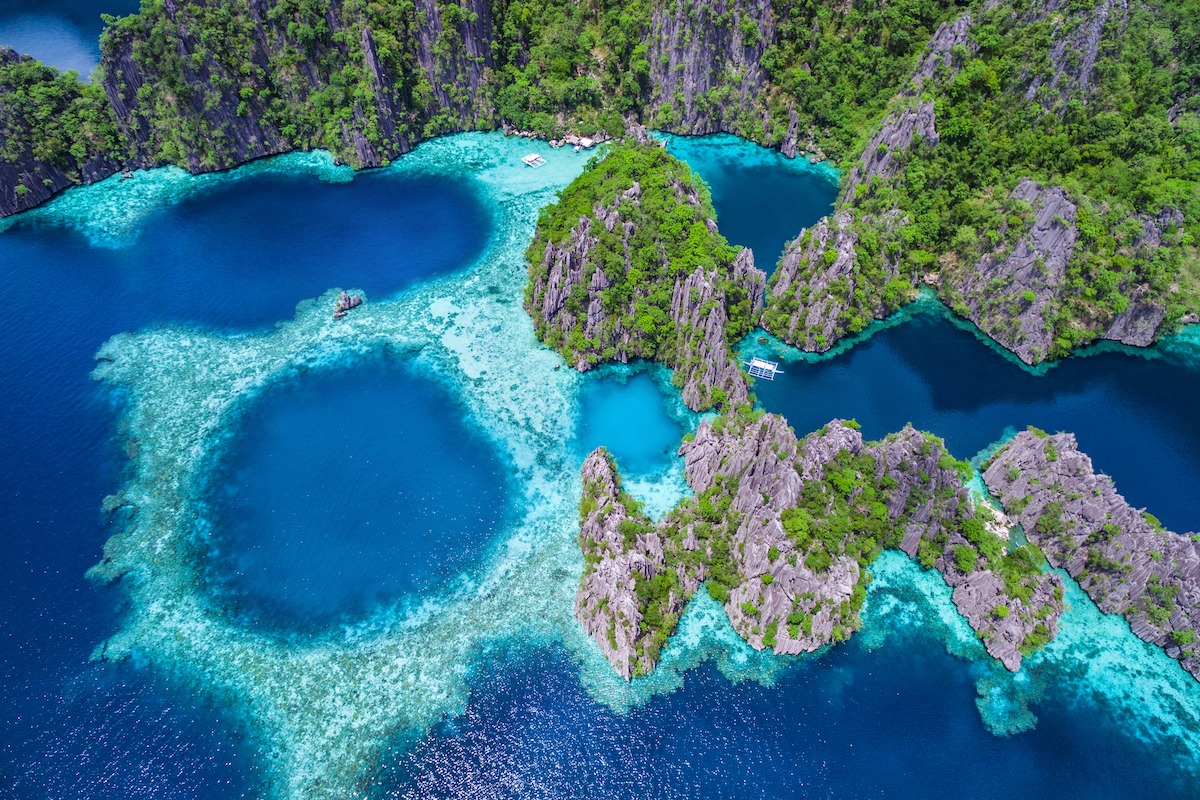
{"x": 899, "y": 721}
{"x": 628, "y": 415}
{"x": 61, "y": 33}
{"x": 762, "y": 199}
{"x": 204, "y": 262}
{"x": 1135, "y": 417}
{"x": 330, "y": 502}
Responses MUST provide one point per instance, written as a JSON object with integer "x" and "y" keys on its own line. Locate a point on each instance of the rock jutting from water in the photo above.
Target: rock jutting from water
{"x": 629, "y": 264}
{"x": 784, "y": 530}
{"x": 1121, "y": 556}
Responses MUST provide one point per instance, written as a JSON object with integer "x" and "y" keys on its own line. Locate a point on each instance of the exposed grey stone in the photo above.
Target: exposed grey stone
{"x": 995, "y": 293}
{"x": 1127, "y": 565}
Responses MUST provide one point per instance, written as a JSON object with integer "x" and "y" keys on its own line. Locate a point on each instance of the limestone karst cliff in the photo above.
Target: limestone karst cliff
{"x": 1122, "y": 557}
{"x": 630, "y": 265}
{"x": 784, "y": 531}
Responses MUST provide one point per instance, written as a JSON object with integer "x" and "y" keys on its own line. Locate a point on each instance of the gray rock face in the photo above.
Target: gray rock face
{"x": 607, "y": 603}
{"x": 939, "y": 53}
{"x": 699, "y": 47}
{"x": 817, "y": 291}
{"x": 699, "y": 306}
{"x": 1013, "y": 291}
{"x": 788, "y": 590}
{"x": 237, "y": 129}
{"x": 803, "y": 287}
{"x": 39, "y": 179}
{"x": 1074, "y": 52}
{"x": 1141, "y": 321}
{"x": 1126, "y": 564}
{"x": 895, "y": 136}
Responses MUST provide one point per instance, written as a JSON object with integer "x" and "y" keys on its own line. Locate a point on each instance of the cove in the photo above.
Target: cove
{"x": 1134, "y": 415}
{"x": 242, "y": 253}
{"x": 346, "y": 488}
{"x": 630, "y": 413}
{"x": 762, "y": 198}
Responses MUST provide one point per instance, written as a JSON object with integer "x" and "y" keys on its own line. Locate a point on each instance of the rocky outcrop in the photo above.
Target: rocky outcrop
{"x": 1013, "y": 291}
{"x": 34, "y": 168}
{"x": 1073, "y": 54}
{"x": 804, "y": 305}
{"x": 594, "y": 299}
{"x": 820, "y": 291}
{"x": 784, "y": 529}
{"x": 940, "y": 54}
{"x": 880, "y": 159}
{"x": 621, "y": 549}
{"x": 705, "y": 62}
{"x": 1120, "y": 556}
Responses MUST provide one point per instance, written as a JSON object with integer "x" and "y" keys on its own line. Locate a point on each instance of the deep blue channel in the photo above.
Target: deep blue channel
{"x": 1135, "y": 417}
{"x": 240, "y": 257}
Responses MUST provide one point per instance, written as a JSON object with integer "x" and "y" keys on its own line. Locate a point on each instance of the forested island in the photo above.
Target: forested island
{"x": 630, "y": 264}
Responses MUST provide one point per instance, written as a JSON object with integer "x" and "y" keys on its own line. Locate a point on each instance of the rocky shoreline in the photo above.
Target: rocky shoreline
{"x": 1121, "y": 556}
{"x": 784, "y": 531}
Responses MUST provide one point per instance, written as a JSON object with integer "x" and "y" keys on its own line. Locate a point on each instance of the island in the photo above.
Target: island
{"x": 629, "y": 264}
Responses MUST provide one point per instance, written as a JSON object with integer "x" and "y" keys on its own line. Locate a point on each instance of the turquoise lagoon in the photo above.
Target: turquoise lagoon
{"x": 233, "y": 657}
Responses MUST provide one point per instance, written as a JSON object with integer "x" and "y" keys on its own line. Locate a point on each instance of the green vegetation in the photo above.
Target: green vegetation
{"x": 663, "y": 236}
{"x": 1126, "y": 147}
{"x": 53, "y": 118}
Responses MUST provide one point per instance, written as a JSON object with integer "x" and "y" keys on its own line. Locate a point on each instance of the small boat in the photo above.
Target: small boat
{"x": 533, "y": 160}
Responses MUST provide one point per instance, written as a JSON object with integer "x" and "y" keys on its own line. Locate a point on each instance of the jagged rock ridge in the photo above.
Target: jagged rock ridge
{"x": 633, "y": 279}
{"x": 1121, "y": 557}
{"x": 784, "y": 530}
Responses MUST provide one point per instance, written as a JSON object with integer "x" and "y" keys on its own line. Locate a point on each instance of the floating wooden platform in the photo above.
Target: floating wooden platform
{"x": 533, "y": 160}
{"x": 761, "y": 368}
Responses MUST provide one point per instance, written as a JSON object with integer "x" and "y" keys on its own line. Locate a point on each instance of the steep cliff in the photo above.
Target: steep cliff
{"x": 628, "y": 599}
{"x": 213, "y": 84}
{"x": 629, "y": 265}
{"x": 1121, "y": 557}
{"x": 784, "y": 530}
{"x": 706, "y": 64}
{"x": 55, "y": 131}
{"x": 1004, "y": 173}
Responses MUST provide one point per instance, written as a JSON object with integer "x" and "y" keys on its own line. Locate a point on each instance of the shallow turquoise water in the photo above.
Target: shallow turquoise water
{"x": 520, "y": 704}
{"x": 631, "y": 415}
